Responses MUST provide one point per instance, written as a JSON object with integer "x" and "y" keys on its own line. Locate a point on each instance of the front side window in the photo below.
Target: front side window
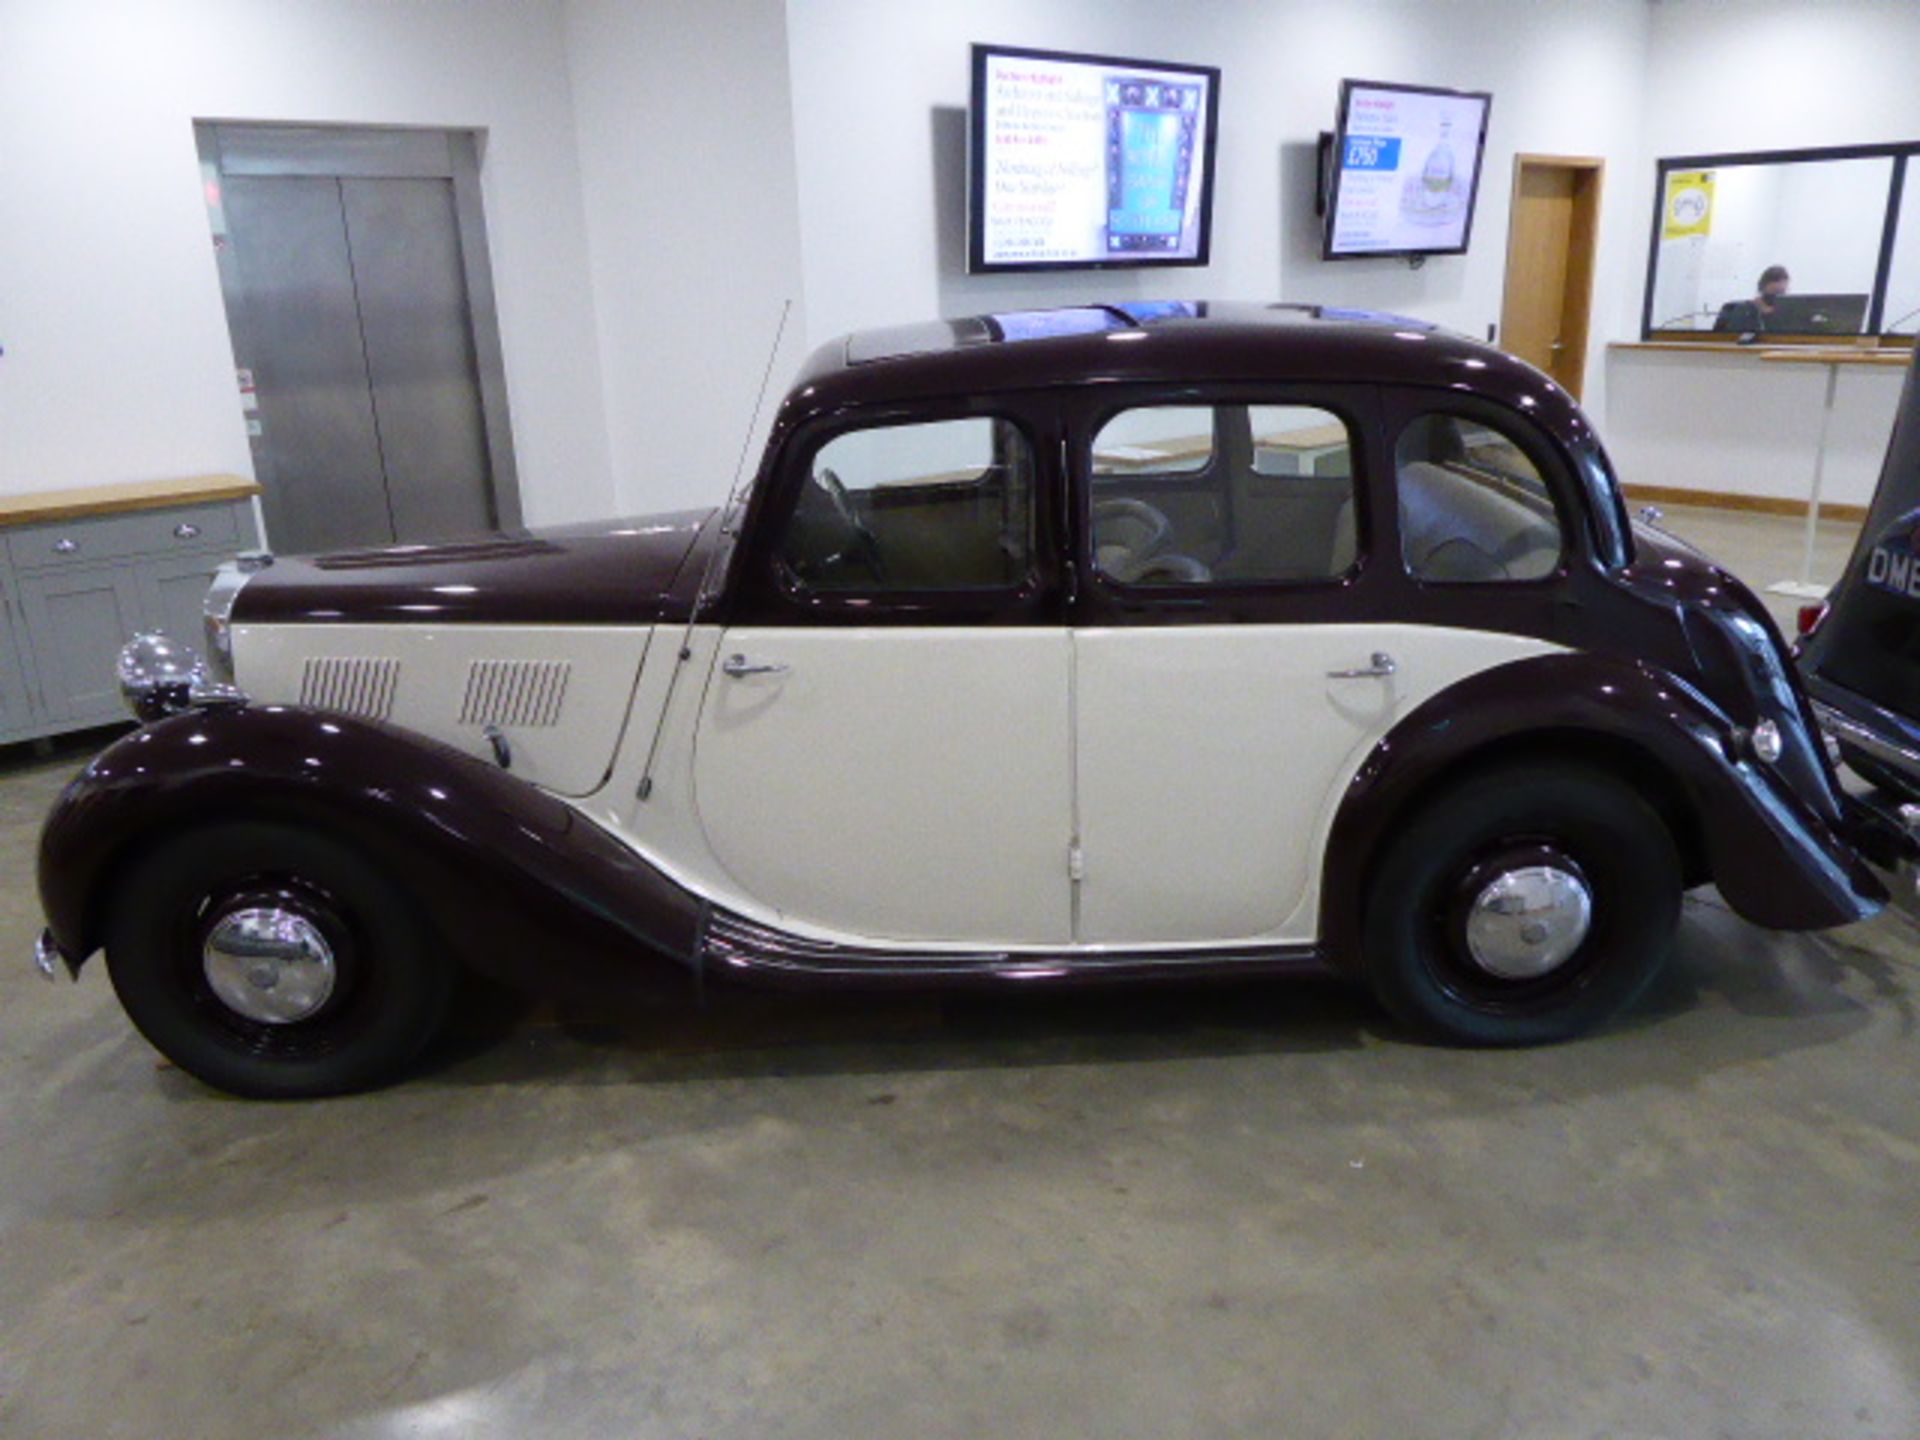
{"x": 1473, "y": 507}
{"x": 939, "y": 505}
{"x": 1231, "y": 494}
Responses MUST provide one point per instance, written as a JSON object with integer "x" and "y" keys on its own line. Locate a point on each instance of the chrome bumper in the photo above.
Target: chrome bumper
{"x": 1849, "y": 731}
{"x": 48, "y": 960}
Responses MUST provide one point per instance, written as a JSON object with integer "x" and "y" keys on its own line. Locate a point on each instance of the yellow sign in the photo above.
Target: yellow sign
{"x": 1689, "y": 206}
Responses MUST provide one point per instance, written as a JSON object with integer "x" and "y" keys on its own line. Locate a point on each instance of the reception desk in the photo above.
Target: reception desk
{"x": 1725, "y": 425}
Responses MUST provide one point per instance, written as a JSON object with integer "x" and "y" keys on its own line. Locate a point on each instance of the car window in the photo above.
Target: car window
{"x": 1165, "y": 440}
{"x": 1473, "y": 507}
{"x": 1230, "y": 494}
{"x": 941, "y": 505}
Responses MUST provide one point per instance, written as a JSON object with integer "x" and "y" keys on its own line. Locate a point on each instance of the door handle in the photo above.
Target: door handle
{"x": 65, "y": 547}
{"x": 1383, "y": 665}
{"x": 738, "y": 666}
{"x": 186, "y": 530}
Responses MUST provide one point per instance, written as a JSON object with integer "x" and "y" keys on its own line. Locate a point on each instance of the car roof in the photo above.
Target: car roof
{"x": 1190, "y": 341}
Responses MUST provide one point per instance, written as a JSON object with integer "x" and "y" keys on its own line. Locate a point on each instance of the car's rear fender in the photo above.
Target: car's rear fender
{"x": 523, "y": 886}
{"x": 1776, "y": 861}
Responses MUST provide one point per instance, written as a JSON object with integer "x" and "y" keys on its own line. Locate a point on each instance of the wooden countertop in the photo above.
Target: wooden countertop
{"x": 1789, "y": 354}
{"x": 1837, "y": 357}
{"x": 90, "y": 500}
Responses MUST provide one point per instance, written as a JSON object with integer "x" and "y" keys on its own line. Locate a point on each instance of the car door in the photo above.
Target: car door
{"x": 1248, "y": 633}
{"x": 883, "y": 750}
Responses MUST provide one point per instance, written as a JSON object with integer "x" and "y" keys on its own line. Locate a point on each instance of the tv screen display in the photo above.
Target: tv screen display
{"x": 1087, "y": 161}
{"x": 1406, "y": 170}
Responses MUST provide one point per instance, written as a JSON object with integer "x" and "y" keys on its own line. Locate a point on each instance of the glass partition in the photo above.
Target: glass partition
{"x": 1793, "y": 244}
{"x": 1902, "y": 310}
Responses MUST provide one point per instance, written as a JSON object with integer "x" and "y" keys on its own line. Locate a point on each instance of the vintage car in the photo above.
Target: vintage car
{"x": 1112, "y": 643}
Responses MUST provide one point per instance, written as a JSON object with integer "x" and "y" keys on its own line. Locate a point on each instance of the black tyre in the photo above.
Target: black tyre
{"x": 1524, "y": 905}
{"x": 274, "y": 962}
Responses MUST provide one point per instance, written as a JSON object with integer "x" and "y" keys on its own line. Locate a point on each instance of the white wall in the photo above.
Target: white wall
{"x": 880, "y": 93}
{"x": 1781, "y": 74}
{"x": 118, "y": 364}
{"x": 685, "y": 131}
{"x": 1734, "y": 423}
{"x": 661, "y": 173}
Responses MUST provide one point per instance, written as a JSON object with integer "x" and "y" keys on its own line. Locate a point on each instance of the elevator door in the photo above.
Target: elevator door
{"x": 349, "y": 298}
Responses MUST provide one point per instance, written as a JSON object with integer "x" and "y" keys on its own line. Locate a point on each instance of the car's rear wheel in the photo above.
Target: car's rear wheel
{"x": 1524, "y": 905}
{"x": 274, "y": 962}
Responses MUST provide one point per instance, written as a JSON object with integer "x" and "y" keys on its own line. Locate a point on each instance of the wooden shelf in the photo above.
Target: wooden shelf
{"x": 43, "y": 505}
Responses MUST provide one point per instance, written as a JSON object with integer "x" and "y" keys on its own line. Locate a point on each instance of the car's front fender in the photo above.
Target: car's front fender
{"x": 523, "y": 886}
{"x": 1774, "y": 858}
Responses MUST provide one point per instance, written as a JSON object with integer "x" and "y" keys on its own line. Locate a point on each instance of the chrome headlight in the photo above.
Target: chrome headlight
{"x": 158, "y": 676}
{"x": 217, "y": 611}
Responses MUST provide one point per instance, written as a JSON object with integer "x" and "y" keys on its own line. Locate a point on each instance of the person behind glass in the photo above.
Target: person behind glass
{"x": 1751, "y": 317}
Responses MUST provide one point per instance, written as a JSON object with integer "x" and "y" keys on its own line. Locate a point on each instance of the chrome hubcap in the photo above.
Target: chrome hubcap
{"x": 1528, "y": 921}
{"x": 269, "y": 964}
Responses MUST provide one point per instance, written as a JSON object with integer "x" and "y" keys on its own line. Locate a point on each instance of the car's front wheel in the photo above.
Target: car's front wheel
{"x": 274, "y": 962}
{"x": 1524, "y": 905}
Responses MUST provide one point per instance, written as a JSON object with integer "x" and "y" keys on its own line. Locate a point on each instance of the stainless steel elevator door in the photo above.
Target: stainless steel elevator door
{"x": 419, "y": 345}
{"x": 323, "y": 483}
{"x": 348, "y": 295}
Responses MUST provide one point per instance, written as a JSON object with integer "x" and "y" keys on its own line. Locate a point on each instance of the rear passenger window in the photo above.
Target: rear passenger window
{"x": 1223, "y": 495}
{"x": 1473, "y": 507}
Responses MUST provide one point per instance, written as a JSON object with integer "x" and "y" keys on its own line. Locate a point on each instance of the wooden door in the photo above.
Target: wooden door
{"x": 1554, "y": 229}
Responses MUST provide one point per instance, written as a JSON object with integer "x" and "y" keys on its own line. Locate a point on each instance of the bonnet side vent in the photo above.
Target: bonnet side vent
{"x": 523, "y": 694}
{"x": 352, "y": 684}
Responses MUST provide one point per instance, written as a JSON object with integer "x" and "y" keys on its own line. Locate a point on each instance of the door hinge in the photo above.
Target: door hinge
{"x": 1076, "y": 863}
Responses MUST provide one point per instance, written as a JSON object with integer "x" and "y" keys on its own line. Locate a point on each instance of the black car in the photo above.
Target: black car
{"x": 1860, "y": 654}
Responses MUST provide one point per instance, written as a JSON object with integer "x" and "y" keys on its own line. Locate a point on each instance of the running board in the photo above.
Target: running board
{"x": 733, "y": 947}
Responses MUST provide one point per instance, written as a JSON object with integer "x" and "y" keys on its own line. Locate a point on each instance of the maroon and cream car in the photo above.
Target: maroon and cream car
{"x": 1118, "y": 643}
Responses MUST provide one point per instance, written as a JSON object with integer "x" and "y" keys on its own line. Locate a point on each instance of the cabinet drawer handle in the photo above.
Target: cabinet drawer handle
{"x": 66, "y": 547}
{"x": 186, "y": 530}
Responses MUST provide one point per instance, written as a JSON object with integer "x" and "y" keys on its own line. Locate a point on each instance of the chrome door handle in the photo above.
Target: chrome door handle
{"x": 65, "y": 547}
{"x": 738, "y": 666}
{"x": 1383, "y": 665}
{"x": 186, "y": 530}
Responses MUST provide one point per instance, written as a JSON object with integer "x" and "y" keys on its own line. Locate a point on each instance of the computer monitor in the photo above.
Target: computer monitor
{"x": 1818, "y": 315}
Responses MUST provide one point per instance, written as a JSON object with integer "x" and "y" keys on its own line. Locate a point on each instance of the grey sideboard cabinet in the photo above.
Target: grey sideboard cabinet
{"x": 87, "y": 569}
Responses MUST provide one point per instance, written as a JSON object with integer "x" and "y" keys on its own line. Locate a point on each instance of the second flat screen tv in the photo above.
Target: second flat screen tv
{"x": 1088, "y": 161}
{"x": 1406, "y": 170}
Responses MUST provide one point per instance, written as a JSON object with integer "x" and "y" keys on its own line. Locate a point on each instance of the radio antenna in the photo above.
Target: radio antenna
{"x": 721, "y": 547}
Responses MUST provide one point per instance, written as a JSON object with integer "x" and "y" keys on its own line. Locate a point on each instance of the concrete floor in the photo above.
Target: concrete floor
{"x": 1248, "y": 1212}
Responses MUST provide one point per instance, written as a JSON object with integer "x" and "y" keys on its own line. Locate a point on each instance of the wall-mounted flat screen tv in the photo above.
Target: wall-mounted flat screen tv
{"x": 1406, "y": 170}
{"x": 1087, "y": 162}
